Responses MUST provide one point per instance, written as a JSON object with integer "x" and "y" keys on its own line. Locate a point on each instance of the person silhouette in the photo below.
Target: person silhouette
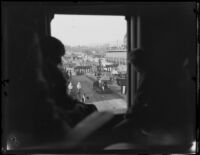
{"x": 32, "y": 116}
{"x": 83, "y": 98}
{"x": 72, "y": 110}
{"x": 70, "y": 87}
{"x": 70, "y": 74}
{"x": 79, "y": 86}
{"x": 67, "y": 77}
{"x": 160, "y": 105}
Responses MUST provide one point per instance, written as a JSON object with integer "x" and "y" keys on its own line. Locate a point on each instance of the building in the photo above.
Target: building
{"x": 124, "y": 46}
{"x": 117, "y": 57}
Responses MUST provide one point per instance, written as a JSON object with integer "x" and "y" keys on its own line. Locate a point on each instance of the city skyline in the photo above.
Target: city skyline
{"x": 89, "y": 30}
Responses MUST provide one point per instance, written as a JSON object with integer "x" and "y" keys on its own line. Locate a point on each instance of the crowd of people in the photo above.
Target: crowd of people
{"x": 79, "y": 94}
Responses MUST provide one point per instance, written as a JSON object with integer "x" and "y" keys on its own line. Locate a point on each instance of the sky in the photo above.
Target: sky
{"x": 88, "y": 30}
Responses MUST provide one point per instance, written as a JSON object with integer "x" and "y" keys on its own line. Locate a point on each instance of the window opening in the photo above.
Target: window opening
{"x": 95, "y": 60}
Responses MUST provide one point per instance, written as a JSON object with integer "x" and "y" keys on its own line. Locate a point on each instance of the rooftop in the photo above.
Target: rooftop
{"x": 116, "y": 51}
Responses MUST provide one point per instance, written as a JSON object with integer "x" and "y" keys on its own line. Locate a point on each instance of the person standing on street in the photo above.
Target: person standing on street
{"x": 79, "y": 86}
{"x": 70, "y": 87}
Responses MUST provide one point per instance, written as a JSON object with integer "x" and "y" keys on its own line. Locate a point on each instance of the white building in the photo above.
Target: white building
{"x": 117, "y": 56}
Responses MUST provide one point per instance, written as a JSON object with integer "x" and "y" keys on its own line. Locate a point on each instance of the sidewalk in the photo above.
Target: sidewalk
{"x": 117, "y": 106}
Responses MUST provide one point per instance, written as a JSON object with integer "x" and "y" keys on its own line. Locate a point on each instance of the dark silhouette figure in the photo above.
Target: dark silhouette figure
{"x": 83, "y": 98}
{"x": 69, "y": 109}
{"x": 67, "y": 77}
{"x": 31, "y": 115}
{"x": 70, "y": 74}
{"x": 162, "y": 105}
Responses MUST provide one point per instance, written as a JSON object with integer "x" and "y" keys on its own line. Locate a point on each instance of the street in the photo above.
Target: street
{"x": 111, "y": 101}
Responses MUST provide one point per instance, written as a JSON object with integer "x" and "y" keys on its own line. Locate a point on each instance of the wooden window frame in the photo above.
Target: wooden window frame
{"x": 133, "y": 41}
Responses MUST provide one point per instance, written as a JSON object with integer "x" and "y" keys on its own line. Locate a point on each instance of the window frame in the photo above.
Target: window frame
{"x": 133, "y": 41}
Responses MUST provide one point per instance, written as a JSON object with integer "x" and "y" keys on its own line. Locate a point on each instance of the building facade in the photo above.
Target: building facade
{"x": 116, "y": 56}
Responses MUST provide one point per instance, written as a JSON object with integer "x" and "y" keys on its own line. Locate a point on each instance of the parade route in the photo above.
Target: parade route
{"x": 112, "y": 101}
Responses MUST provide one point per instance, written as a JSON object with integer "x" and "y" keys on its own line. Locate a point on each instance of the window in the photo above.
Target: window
{"x": 94, "y": 49}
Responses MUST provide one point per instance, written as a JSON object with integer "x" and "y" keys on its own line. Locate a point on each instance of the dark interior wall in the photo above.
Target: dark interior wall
{"x": 168, "y": 32}
{"x": 19, "y": 19}
{"x": 92, "y": 8}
